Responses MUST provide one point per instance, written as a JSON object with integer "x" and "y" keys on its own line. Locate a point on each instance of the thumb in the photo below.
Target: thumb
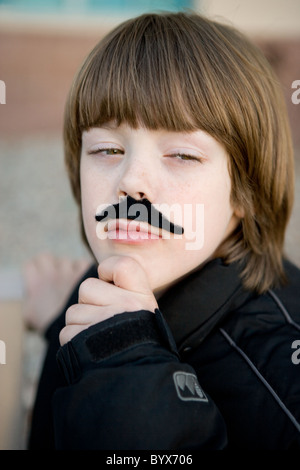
{"x": 125, "y": 272}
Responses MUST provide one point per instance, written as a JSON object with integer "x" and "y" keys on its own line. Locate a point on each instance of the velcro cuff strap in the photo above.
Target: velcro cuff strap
{"x": 110, "y": 337}
{"x": 126, "y": 331}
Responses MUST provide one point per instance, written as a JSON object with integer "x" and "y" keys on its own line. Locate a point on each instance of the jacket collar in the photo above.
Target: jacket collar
{"x": 195, "y": 305}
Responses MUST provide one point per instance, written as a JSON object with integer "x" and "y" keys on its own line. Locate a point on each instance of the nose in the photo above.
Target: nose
{"x": 137, "y": 178}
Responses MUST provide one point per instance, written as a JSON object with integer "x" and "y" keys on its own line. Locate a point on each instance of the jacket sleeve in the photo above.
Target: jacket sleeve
{"x": 127, "y": 389}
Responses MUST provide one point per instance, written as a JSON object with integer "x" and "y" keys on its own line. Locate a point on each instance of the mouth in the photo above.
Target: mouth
{"x": 130, "y": 231}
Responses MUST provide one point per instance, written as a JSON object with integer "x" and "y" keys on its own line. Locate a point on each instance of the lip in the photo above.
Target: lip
{"x": 130, "y": 231}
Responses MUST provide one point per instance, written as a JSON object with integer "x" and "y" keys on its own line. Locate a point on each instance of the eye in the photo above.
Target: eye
{"x": 185, "y": 157}
{"x": 106, "y": 151}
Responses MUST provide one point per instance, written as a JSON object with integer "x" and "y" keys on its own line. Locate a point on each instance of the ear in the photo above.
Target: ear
{"x": 239, "y": 212}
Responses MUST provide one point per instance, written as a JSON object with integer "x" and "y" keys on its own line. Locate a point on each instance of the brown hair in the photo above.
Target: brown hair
{"x": 183, "y": 72}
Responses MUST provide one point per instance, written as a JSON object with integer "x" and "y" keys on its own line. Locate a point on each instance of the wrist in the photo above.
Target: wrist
{"x": 120, "y": 339}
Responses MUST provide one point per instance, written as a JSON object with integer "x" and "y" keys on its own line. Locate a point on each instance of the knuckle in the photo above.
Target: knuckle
{"x": 70, "y": 313}
{"x": 62, "y": 336}
{"x": 123, "y": 269}
{"x": 84, "y": 289}
{"x": 126, "y": 263}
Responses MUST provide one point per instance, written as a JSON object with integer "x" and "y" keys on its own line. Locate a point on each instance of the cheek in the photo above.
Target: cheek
{"x": 212, "y": 213}
{"x": 91, "y": 197}
{"x": 87, "y": 196}
{"x": 218, "y": 212}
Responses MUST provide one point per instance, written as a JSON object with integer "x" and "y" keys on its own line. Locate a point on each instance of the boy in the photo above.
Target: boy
{"x": 182, "y": 334}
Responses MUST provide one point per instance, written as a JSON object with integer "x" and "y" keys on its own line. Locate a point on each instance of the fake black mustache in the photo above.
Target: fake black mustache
{"x": 151, "y": 215}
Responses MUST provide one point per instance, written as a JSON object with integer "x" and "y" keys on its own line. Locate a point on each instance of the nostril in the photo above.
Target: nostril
{"x": 122, "y": 195}
{"x": 137, "y": 195}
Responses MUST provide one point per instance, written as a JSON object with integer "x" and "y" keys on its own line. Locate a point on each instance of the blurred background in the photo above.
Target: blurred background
{"x": 42, "y": 44}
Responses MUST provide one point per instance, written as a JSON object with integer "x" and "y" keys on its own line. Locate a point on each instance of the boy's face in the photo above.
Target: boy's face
{"x": 184, "y": 175}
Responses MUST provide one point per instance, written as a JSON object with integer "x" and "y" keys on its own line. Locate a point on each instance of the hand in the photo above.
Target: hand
{"x": 49, "y": 281}
{"x": 122, "y": 286}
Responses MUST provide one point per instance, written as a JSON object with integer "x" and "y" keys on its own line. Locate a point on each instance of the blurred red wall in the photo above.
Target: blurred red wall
{"x": 38, "y": 69}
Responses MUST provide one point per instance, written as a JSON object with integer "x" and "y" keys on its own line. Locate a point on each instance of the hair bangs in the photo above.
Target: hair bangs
{"x": 145, "y": 76}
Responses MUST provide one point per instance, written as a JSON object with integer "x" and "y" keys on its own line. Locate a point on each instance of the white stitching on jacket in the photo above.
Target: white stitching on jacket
{"x": 264, "y": 381}
{"x": 283, "y": 309}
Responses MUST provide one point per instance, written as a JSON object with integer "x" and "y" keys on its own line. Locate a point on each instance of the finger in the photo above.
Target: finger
{"x": 125, "y": 272}
{"x": 68, "y": 333}
{"x": 96, "y": 292}
{"x": 100, "y": 294}
{"x": 79, "y": 314}
{"x": 81, "y": 317}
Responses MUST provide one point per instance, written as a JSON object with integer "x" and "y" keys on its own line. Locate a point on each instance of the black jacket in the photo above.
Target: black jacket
{"x": 126, "y": 384}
